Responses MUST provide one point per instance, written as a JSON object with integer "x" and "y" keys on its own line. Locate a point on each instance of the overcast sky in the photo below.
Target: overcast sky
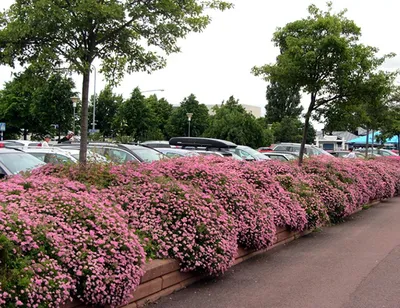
{"x": 216, "y": 63}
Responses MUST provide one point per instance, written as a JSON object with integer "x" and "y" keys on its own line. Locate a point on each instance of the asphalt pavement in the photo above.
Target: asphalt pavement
{"x": 355, "y": 264}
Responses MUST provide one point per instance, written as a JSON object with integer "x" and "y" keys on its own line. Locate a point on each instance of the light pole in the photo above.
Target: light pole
{"x": 155, "y": 90}
{"x": 74, "y": 102}
{"x": 189, "y": 116}
{"x": 94, "y": 98}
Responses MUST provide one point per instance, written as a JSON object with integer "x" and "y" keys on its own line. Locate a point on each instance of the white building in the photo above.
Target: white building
{"x": 254, "y": 110}
{"x": 336, "y": 141}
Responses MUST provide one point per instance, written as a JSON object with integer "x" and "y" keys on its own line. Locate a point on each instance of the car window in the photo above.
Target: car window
{"x": 281, "y": 148}
{"x": 39, "y": 155}
{"x": 117, "y": 155}
{"x": 147, "y": 154}
{"x": 17, "y": 162}
{"x": 172, "y": 155}
{"x": 2, "y": 173}
{"x": 277, "y": 157}
{"x": 98, "y": 150}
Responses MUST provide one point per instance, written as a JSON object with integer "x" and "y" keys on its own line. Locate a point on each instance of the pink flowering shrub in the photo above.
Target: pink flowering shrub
{"x": 84, "y": 238}
{"x": 253, "y": 218}
{"x": 180, "y": 222}
{"x": 303, "y": 200}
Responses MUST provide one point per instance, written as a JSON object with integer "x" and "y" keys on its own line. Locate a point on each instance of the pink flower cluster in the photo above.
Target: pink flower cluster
{"x": 86, "y": 232}
{"x": 77, "y": 243}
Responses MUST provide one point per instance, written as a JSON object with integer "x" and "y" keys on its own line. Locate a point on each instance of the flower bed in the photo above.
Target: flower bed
{"x": 68, "y": 232}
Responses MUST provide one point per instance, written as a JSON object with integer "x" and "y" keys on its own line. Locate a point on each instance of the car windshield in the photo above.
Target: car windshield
{"x": 245, "y": 152}
{"x": 19, "y": 162}
{"x": 318, "y": 151}
{"x": 146, "y": 154}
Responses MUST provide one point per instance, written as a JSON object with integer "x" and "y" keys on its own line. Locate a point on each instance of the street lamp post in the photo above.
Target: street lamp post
{"x": 94, "y": 98}
{"x": 155, "y": 90}
{"x": 189, "y": 116}
{"x": 74, "y": 102}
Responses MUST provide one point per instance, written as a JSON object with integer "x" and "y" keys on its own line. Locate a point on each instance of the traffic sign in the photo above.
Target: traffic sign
{"x": 2, "y": 127}
{"x": 93, "y": 131}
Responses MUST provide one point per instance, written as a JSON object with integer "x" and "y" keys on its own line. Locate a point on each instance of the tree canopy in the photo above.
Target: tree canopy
{"x": 118, "y": 33}
{"x": 322, "y": 56}
{"x": 232, "y": 122}
{"x": 283, "y": 102}
{"x": 37, "y": 103}
{"x": 107, "y": 104}
{"x": 178, "y": 123}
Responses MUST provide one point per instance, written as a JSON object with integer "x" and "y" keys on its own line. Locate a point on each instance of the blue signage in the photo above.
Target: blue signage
{"x": 2, "y": 127}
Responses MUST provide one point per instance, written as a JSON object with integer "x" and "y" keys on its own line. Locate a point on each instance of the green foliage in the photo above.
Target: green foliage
{"x": 178, "y": 122}
{"x": 161, "y": 110}
{"x": 283, "y": 102}
{"x": 290, "y": 130}
{"x": 134, "y": 117}
{"x": 107, "y": 104}
{"x": 391, "y": 126}
{"x": 13, "y": 264}
{"x": 34, "y": 101}
{"x": 115, "y": 32}
{"x": 232, "y": 122}
{"x": 321, "y": 55}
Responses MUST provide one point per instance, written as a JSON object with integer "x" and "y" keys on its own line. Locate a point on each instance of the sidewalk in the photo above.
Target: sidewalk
{"x": 354, "y": 264}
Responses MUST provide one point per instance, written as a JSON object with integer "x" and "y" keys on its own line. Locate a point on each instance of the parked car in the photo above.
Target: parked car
{"x": 156, "y": 144}
{"x": 344, "y": 153}
{"x": 21, "y": 143}
{"x": 384, "y": 152}
{"x": 120, "y": 153}
{"x": 218, "y": 153}
{"x": 56, "y": 155}
{"x": 174, "y": 153}
{"x": 280, "y": 156}
{"x": 265, "y": 149}
{"x": 51, "y": 155}
{"x": 310, "y": 150}
{"x": 14, "y": 161}
{"x": 248, "y": 153}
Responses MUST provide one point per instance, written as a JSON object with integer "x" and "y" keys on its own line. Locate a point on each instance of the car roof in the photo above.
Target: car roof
{"x": 201, "y": 142}
{"x": 9, "y": 150}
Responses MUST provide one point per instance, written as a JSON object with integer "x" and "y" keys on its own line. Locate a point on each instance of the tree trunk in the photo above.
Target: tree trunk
{"x": 25, "y": 134}
{"x": 367, "y": 143}
{"x": 306, "y": 125}
{"x": 372, "y": 142}
{"x": 84, "y": 117}
{"x": 398, "y": 143}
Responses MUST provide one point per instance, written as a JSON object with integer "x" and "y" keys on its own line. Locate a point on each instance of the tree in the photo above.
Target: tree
{"x": 232, "y": 122}
{"x": 368, "y": 110}
{"x": 162, "y": 111}
{"x": 134, "y": 117}
{"x": 33, "y": 102}
{"x": 321, "y": 55}
{"x": 391, "y": 127}
{"x": 115, "y": 32}
{"x": 52, "y": 105}
{"x": 107, "y": 104}
{"x": 178, "y": 123}
{"x": 282, "y": 102}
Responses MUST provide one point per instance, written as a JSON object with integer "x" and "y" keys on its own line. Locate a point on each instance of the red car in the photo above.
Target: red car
{"x": 266, "y": 149}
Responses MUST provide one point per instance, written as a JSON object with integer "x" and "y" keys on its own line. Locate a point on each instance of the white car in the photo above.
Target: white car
{"x": 51, "y": 155}
{"x": 14, "y": 161}
{"x": 62, "y": 156}
{"x": 21, "y": 143}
